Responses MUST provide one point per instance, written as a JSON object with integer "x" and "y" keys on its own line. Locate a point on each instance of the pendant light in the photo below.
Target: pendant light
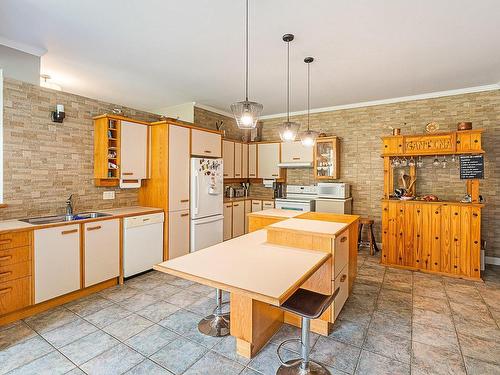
{"x": 289, "y": 129}
{"x": 246, "y": 113}
{"x": 308, "y": 138}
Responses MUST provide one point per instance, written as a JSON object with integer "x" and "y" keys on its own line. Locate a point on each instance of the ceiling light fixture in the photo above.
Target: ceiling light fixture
{"x": 308, "y": 138}
{"x": 246, "y": 113}
{"x": 289, "y": 129}
{"x": 45, "y": 81}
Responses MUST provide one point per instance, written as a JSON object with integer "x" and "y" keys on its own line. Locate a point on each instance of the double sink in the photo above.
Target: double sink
{"x": 63, "y": 218}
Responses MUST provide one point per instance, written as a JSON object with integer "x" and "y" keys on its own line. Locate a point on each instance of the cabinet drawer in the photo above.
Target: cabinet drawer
{"x": 342, "y": 282}
{"x": 341, "y": 252}
{"x": 267, "y": 204}
{"x": 256, "y": 205}
{"x": 16, "y": 239}
{"x": 15, "y": 295}
{"x": 17, "y": 255}
{"x": 15, "y": 271}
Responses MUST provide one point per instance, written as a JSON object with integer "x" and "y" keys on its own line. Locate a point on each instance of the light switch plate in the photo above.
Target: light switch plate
{"x": 108, "y": 195}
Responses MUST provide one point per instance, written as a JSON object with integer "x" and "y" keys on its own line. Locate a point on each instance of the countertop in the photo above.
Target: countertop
{"x": 18, "y": 225}
{"x": 317, "y": 227}
{"x": 239, "y": 199}
{"x": 276, "y": 213}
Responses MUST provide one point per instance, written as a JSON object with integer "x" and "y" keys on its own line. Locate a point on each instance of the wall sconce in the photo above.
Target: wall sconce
{"x": 58, "y": 115}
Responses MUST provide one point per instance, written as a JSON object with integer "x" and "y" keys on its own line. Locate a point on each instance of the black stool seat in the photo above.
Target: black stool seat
{"x": 308, "y": 304}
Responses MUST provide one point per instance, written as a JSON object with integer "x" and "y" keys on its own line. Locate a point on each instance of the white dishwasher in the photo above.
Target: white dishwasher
{"x": 142, "y": 243}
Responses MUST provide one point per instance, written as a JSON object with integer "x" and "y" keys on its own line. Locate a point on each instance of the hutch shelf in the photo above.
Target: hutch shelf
{"x": 326, "y": 158}
{"x": 440, "y": 237}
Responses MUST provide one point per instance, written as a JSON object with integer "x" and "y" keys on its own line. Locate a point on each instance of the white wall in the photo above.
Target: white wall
{"x": 20, "y": 65}
{"x": 1, "y": 135}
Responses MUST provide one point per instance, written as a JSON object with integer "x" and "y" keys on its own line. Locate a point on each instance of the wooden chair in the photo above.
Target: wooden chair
{"x": 373, "y": 243}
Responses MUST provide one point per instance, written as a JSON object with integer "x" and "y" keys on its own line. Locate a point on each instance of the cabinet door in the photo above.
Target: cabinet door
{"x": 385, "y": 232}
{"x": 463, "y": 141}
{"x": 256, "y": 205}
{"x": 228, "y": 221}
{"x": 237, "y": 160}
{"x": 436, "y": 239}
{"x": 178, "y": 167}
{"x": 134, "y": 150}
{"x": 268, "y": 160}
{"x": 244, "y": 160}
{"x": 392, "y": 145}
{"x": 418, "y": 235}
{"x": 252, "y": 161}
{"x": 205, "y": 143}
{"x": 238, "y": 218}
{"x": 296, "y": 152}
{"x": 266, "y": 205}
{"x": 455, "y": 239}
{"x": 228, "y": 158}
{"x": 475, "y": 141}
{"x": 475, "y": 235}
{"x": 57, "y": 261}
{"x": 465, "y": 240}
{"x": 409, "y": 236}
{"x": 393, "y": 234}
{"x": 446, "y": 239}
{"x": 248, "y": 209}
{"x": 425, "y": 261}
{"x": 178, "y": 234}
{"x": 400, "y": 232}
{"x": 102, "y": 251}
{"x": 341, "y": 282}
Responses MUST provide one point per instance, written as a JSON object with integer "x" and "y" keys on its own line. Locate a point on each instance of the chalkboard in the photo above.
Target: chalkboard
{"x": 471, "y": 167}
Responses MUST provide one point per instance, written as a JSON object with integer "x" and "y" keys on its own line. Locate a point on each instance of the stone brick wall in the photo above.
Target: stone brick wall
{"x": 360, "y": 130}
{"x": 45, "y": 162}
{"x": 207, "y": 119}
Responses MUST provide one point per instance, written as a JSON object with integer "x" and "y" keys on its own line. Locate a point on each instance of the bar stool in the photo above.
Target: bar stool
{"x": 373, "y": 243}
{"x": 216, "y": 324}
{"x": 308, "y": 305}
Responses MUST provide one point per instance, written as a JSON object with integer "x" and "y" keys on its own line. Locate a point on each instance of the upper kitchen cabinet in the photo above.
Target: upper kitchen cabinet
{"x": 228, "y": 158}
{"x": 326, "y": 158}
{"x": 237, "y": 160}
{"x": 120, "y": 150}
{"x": 244, "y": 160}
{"x": 206, "y": 143}
{"x": 296, "y": 153}
{"x": 252, "y": 160}
{"x": 178, "y": 168}
{"x": 268, "y": 160}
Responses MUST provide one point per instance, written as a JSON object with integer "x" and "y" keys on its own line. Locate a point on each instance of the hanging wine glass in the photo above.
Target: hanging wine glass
{"x": 453, "y": 158}
{"x": 420, "y": 162}
{"x": 411, "y": 162}
{"x": 404, "y": 162}
{"x": 436, "y": 161}
{"x": 397, "y": 162}
{"x": 444, "y": 162}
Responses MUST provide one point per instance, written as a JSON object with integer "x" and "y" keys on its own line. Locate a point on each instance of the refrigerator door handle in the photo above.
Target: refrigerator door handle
{"x": 197, "y": 194}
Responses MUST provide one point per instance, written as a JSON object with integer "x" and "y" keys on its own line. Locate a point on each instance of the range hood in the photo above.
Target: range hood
{"x": 296, "y": 165}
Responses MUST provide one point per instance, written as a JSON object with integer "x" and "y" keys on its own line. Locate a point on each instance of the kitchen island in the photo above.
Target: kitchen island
{"x": 264, "y": 268}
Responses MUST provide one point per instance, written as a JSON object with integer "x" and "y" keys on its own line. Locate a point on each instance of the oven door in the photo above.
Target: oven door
{"x": 293, "y": 205}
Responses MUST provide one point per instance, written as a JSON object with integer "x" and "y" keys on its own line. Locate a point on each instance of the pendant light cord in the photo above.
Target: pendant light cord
{"x": 308, "y": 93}
{"x": 246, "y": 55}
{"x": 288, "y": 81}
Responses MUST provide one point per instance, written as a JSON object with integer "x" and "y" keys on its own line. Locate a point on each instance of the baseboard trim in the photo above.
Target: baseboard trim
{"x": 492, "y": 260}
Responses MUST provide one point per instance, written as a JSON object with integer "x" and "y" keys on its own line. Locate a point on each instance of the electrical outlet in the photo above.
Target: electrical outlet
{"x": 108, "y": 195}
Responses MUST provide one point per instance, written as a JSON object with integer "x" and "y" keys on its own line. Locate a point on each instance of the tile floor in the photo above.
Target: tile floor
{"x": 395, "y": 322}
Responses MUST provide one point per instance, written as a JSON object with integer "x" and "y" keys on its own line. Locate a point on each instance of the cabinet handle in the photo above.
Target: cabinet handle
{"x": 7, "y": 257}
{"x": 225, "y": 174}
{"x": 274, "y": 175}
{"x": 127, "y": 174}
{"x": 5, "y": 291}
{"x": 458, "y": 141}
{"x": 69, "y": 231}
{"x": 184, "y": 200}
{"x": 236, "y": 205}
{"x": 252, "y": 174}
{"x": 474, "y": 214}
{"x": 236, "y": 174}
{"x": 343, "y": 277}
{"x": 185, "y": 214}
{"x": 5, "y": 242}
{"x": 4, "y": 274}
{"x": 295, "y": 158}
{"x": 147, "y": 219}
{"x": 207, "y": 151}
{"x": 476, "y": 141}
{"x": 343, "y": 239}
{"x": 94, "y": 228}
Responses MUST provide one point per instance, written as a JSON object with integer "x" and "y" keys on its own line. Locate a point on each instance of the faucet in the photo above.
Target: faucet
{"x": 69, "y": 207}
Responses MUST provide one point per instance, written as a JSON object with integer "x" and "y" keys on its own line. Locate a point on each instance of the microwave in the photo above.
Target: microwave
{"x": 334, "y": 190}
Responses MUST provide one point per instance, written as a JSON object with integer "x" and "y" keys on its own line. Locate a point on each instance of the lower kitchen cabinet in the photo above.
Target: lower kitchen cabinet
{"x": 256, "y": 205}
{"x": 102, "y": 251}
{"x": 238, "y": 219}
{"x": 248, "y": 209}
{"x": 228, "y": 221}
{"x": 57, "y": 261}
{"x": 266, "y": 205}
{"x": 178, "y": 234}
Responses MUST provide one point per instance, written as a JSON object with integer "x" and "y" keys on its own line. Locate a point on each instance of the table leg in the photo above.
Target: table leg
{"x": 253, "y": 323}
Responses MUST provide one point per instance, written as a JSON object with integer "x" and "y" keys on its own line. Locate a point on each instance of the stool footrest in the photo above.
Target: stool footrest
{"x": 289, "y": 363}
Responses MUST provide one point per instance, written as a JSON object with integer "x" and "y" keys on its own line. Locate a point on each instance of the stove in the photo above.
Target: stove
{"x": 298, "y": 198}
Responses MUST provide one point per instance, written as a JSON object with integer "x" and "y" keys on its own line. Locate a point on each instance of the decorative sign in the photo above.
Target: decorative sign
{"x": 471, "y": 167}
{"x": 429, "y": 144}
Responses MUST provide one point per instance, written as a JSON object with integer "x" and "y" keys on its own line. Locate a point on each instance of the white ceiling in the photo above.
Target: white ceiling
{"x": 151, "y": 54}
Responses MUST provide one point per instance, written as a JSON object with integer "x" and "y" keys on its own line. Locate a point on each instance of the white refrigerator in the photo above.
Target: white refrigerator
{"x": 206, "y": 202}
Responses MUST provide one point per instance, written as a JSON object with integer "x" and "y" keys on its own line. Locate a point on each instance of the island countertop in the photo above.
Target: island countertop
{"x": 277, "y": 213}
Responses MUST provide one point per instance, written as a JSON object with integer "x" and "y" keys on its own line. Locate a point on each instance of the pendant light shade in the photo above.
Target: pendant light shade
{"x": 246, "y": 113}
{"x": 308, "y": 138}
{"x": 289, "y": 129}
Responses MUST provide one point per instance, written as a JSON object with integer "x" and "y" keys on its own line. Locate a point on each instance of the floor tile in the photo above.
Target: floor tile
{"x": 116, "y": 360}
{"x": 147, "y": 367}
{"x": 50, "y": 319}
{"x": 356, "y": 314}
{"x": 127, "y": 327}
{"x": 432, "y": 319}
{"x": 439, "y": 306}
{"x": 75, "y": 371}
{"x": 179, "y": 355}
{"x": 23, "y": 353}
{"x": 138, "y": 302}
{"x": 478, "y": 312}
{"x": 267, "y": 362}
{"x": 88, "y": 305}
{"x": 183, "y": 298}
{"x": 181, "y": 283}
{"x": 202, "y": 289}
{"x": 435, "y": 337}
{"x": 336, "y": 354}
{"x": 484, "y": 350}
{"x": 394, "y": 322}
{"x": 158, "y": 311}
{"x": 107, "y": 316}
{"x": 151, "y": 340}
{"x": 15, "y": 334}
{"x": 214, "y": 364}
{"x": 163, "y": 291}
{"x": 204, "y": 306}
{"x": 144, "y": 282}
{"x": 249, "y": 371}
{"x": 428, "y": 359}
{"x": 389, "y": 345}
{"x": 287, "y": 332}
{"x": 477, "y": 367}
{"x": 181, "y": 321}
{"x": 88, "y": 347}
{"x": 374, "y": 364}
{"x": 119, "y": 293}
{"x": 488, "y": 331}
{"x": 68, "y": 333}
{"x": 227, "y": 348}
{"x": 202, "y": 339}
{"x": 53, "y": 363}
{"x": 349, "y": 332}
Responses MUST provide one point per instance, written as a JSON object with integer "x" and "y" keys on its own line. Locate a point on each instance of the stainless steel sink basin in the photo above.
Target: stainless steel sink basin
{"x": 63, "y": 218}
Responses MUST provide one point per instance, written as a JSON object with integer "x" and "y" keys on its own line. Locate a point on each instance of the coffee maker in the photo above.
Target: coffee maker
{"x": 278, "y": 189}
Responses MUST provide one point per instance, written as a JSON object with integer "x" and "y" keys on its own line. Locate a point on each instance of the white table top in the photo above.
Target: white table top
{"x": 250, "y": 266}
{"x": 318, "y": 227}
{"x": 276, "y": 212}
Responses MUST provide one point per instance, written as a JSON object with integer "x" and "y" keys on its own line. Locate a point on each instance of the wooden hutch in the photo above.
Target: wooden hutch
{"x": 440, "y": 237}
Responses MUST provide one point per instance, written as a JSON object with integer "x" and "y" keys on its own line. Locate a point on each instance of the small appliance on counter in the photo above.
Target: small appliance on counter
{"x": 278, "y": 190}
{"x": 298, "y": 198}
{"x": 334, "y": 197}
